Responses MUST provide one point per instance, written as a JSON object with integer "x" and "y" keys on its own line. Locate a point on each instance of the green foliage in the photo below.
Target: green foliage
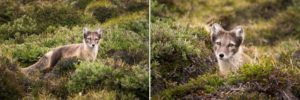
{"x": 96, "y": 95}
{"x": 27, "y": 53}
{"x": 171, "y": 8}
{"x": 253, "y": 72}
{"x": 106, "y": 9}
{"x": 208, "y": 83}
{"x": 54, "y": 14}
{"x": 105, "y": 13}
{"x": 117, "y": 41}
{"x": 126, "y": 41}
{"x": 9, "y": 11}
{"x": 10, "y": 82}
{"x": 65, "y": 66}
{"x": 261, "y": 81}
{"x": 21, "y": 26}
{"x": 90, "y": 75}
{"x": 177, "y": 54}
{"x": 35, "y": 17}
{"x": 87, "y": 74}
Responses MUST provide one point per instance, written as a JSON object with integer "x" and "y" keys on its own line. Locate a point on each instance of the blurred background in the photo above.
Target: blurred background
{"x": 30, "y": 28}
{"x": 183, "y": 63}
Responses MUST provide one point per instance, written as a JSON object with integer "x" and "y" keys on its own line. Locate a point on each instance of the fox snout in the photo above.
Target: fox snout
{"x": 221, "y": 55}
{"x": 93, "y": 45}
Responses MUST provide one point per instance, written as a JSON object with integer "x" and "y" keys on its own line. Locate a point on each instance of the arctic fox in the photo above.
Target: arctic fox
{"x": 85, "y": 51}
{"x": 227, "y": 46}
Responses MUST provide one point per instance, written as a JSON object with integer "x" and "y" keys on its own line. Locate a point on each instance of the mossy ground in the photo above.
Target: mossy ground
{"x": 183, "y": 63}
{"x": 31, "y": 28}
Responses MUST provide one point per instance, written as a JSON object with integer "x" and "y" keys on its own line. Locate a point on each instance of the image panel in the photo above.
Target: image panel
{"x": 225, "y": 49}
{"x": 74, "y": 49}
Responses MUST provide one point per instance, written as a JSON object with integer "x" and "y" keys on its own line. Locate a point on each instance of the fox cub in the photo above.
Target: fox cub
{"x": 85, "y": 51}
{"x": 227, "y": 46}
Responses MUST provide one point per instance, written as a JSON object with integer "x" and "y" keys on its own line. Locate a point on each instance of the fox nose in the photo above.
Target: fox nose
{"x": 93, "y": 45}
{"x": 221, "y": 55}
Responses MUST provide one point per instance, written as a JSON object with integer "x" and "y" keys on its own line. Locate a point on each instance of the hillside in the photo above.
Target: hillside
{"x": 183, "y": 63}
{"x": 30, "y": 28}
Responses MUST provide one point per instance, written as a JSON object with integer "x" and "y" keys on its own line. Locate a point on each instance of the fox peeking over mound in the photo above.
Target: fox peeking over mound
{"x": 228, "y": 49}
{"x": 86, "y": 51}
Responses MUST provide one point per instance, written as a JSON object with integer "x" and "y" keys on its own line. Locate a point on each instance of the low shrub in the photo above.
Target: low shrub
{"x": 126, "y": 43}
{"x": 56, "y": 14}
{"x": 24, "y": 25}
{"x": 178, "y": 53}
{"x": 206, "y": 84}
{"x": 10, "y": 81}
{"x": 27, "y": 54}
{"x": 91, "y": 76}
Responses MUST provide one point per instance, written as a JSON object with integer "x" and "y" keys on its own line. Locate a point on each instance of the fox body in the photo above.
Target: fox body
{"x": 84, "y": 51}
{"x": 227, "y": 46}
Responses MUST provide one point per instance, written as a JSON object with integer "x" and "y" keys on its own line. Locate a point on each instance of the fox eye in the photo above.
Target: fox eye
{"x": 218, "y": 43}
{"x": 230, "y": 45}
{"x": 89, "y": 38}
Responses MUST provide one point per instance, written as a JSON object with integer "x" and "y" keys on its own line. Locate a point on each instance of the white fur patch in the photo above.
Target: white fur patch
{"x": 239, "y": 31}
{"x": 231, "y": 42}
{"x": 218, "y": 40}
{"x": 85, "y": 30}
{"x": 49, "y": 54}
{"x": 215, "y": 28}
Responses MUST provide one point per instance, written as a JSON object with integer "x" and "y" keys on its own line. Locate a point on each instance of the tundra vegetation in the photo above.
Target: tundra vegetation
{"x": 30, "y": 28}
{"x": 184, "y": 65}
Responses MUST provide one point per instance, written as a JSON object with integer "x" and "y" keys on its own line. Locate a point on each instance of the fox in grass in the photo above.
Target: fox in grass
{"x": 227, "y": 46}
{"x": 85, "y": 51}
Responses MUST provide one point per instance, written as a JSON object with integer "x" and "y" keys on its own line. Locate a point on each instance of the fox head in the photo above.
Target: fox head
{"x": 226, "y": 43}
{"x": 91, "y": 39}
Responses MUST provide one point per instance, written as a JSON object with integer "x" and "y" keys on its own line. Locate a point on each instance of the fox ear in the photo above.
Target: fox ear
{"x": 100, "y": 32}
{"x": 239, "y": 31}
{"x": 85, "y": 31}
{"x": 214, "y": 30}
